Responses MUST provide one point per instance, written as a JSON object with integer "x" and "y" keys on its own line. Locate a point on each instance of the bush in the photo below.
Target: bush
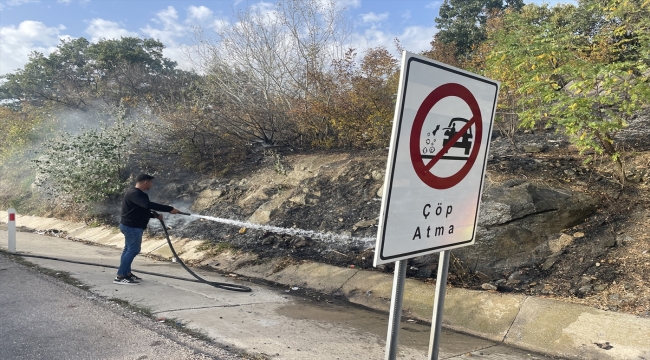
{"x": 85, "y": 168}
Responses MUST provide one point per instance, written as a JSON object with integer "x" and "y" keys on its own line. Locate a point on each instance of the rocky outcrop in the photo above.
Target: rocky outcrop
{"x": 519, "y": 223}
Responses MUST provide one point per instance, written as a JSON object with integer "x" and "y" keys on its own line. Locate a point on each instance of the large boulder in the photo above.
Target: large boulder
{"x": 516, "y": 222}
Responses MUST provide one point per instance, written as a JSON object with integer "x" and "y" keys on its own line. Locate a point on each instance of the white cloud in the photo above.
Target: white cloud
{"x": 263, "y": 7}
{"x": 406, "y": 14}
{"x": 349, "y": 4}
{"x": 105, "y": 29}
{"x": 171, "y": 29}
{"x": 371, "y": 17}
{"x": 412, "y": 38}
{"x": 67, "y": 2}
{"x": 16, "y": 43}
{"x": 20, "y": 2}
{"x": 198, "y": 13}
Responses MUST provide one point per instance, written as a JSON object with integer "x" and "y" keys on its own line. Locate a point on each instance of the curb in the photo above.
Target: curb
{"x": 542, "y": 325}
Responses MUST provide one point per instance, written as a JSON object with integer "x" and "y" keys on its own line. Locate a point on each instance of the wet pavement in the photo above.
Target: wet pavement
{"x": 274, "y": 322}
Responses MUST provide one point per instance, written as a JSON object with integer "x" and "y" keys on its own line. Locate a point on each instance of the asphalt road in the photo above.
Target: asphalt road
{"x": 42, "y": 318}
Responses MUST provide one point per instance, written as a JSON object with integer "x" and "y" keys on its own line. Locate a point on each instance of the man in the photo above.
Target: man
{"x": 136, "y": 212}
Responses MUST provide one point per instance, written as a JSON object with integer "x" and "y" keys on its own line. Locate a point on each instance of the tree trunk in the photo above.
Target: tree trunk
{"x": 606, "y": 141}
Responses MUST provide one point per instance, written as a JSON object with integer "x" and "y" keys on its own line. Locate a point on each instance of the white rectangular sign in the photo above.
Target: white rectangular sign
{"x": 437, "y": 158}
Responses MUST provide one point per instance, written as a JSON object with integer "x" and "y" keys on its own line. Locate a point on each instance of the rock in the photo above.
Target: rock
{"x": 608, "y": 242}
{"x": 206, "y": 199}
{"x": 514, "y": 224}
{"x": 380, "y": 192}
{"x": 600, "y": 287}
{"x": 242, "y": 230}
{"x": 578, "y": 235}
{"x": 561, "y": 243}
{"x": 488, "y": 286}
{"x": 584, "y": 289}
{"x": 300, "y": 242}
{"x": 299, "y": 199}
{"x": 378, "y": 175}
{"x": 517, "y": 275}
{"x": 482, "y": 276}
{"x": 549, "y": 262}
{"x": 533, "y": 148}
{"x": 622, "y": 239}
{"x": 570, "y": 172}
{"x": 262, "y": 216}
{"x": 364, "y": 224}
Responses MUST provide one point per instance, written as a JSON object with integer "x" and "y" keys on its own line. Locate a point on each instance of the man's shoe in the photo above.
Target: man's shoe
{"x": 134, "y": 277}
{"x": 125, "y": 281}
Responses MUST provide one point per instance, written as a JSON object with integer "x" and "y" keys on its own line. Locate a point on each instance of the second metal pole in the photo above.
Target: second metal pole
{"x": 11, "y": 231}
{"x": 438, "y": 305}
{"x": 395, "y": 309}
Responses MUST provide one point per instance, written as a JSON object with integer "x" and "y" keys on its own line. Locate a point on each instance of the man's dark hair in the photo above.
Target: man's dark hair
{"x": 143, "y": 177}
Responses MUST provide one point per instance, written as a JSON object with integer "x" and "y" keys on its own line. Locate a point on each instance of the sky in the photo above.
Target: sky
{"x": 39, "y": 25}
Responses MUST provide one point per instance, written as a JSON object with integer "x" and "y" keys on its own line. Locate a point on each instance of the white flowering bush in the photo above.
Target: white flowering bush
{"x": 87, "y": 167}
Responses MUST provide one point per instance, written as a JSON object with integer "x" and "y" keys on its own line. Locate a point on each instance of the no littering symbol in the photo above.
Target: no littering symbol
{"x": 421, "y": 163}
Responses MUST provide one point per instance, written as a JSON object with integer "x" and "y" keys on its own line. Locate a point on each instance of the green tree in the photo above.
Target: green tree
{"x": 77, "y": 72}
{"x": 589, "y": 77}
{"x": 462, "y": 22}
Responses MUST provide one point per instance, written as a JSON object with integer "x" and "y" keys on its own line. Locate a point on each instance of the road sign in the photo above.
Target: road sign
{"x": 437, "y": 158}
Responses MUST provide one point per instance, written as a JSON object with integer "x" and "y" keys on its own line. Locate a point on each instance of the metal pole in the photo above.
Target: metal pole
{"x": 11, "y": 231}
{"x": 438, "y": 305}
{"x": 395, "y": 309}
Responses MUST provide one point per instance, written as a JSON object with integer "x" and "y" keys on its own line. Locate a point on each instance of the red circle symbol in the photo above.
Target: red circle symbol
{"x": 424, "y": 170}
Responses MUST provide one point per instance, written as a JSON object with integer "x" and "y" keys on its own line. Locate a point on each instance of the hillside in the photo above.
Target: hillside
{"x": 602, "y": 259}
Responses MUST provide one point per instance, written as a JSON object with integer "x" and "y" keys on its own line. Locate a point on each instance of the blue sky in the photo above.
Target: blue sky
{"x": 38, "y": 25}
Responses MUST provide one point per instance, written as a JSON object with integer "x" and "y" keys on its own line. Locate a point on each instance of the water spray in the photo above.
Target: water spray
{"x": 289, "y": 231}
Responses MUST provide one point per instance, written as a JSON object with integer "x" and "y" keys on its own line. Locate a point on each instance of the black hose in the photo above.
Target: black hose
{"x": 225, "y": 286}
{"x": 220, "y": 285}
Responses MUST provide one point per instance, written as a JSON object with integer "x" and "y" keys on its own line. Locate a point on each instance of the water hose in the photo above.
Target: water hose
{"x": 225, "y": 286}
{"x": 220, "y": 285}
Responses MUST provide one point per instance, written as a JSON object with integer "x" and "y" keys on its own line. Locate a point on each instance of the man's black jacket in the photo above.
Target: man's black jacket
{"x": 136, "y": 209}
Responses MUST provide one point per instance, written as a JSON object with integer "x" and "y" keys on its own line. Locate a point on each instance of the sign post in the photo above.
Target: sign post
{"x": 11, "y": 231}
{"x": 434, "y": 174}
{"x": 395, "y": 309}
{"x": 438, "y": 305}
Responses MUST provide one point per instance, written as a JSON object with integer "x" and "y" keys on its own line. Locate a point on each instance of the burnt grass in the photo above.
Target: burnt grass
{"x": 607, "y": 266}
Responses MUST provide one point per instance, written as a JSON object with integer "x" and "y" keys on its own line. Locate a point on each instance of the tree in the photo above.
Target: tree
{"x": 78, "y": 72}
{"x": 264, "y": 60}
{"x": 356, "y": 102}
{"x": 588, "y": 77}
{"x": 462, "y": 22}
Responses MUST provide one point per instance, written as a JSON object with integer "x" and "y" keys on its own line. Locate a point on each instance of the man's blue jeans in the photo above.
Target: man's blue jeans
{"x": 132, "y": 244}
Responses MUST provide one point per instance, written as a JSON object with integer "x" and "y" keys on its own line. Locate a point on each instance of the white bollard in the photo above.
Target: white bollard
{"x": 11, "y": 230}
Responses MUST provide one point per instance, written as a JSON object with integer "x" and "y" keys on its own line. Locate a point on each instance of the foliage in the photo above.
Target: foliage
{"x": 265, "y": 60}
{"x": 462, "y": 22}
{"x": 355, "y": 104}
{"x": 589, "y": 76}
{"x": 85, "y": 168}
{"x": 16, "y": 128}
{"x": 78, "y": 72}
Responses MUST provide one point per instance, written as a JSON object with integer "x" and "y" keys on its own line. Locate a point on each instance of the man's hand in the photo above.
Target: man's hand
{"x": 174, "y": 211}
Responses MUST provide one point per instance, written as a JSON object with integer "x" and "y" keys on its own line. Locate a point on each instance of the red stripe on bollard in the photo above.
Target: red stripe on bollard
{"x": 12, "y": 217}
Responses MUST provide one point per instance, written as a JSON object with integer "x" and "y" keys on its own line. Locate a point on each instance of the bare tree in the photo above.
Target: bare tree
{"x": 268, "y": 57}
